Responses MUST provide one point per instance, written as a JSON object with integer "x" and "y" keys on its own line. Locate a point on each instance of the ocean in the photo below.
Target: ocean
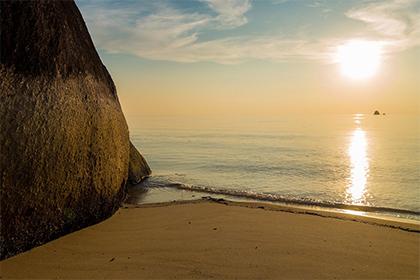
{"x": 351, "y": 162}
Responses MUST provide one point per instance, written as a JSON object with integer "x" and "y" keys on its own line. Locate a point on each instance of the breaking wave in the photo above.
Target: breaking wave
{"x": 161, "y": 182}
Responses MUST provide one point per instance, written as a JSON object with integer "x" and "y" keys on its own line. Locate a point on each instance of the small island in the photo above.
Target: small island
{"x": 247, "y": 187}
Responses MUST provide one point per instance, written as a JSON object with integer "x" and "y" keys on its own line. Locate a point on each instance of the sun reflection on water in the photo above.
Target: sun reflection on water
{"x": 359, "y": 167}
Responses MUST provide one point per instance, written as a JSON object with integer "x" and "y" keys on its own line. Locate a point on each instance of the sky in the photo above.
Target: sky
{"x": 258, "y": 58}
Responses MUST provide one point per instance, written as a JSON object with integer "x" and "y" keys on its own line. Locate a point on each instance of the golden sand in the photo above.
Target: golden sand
{"x": 229, "y": 240}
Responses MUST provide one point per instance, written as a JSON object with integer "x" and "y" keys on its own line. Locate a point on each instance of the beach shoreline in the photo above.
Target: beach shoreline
{"x": 404, "y": 224}
{"x": 221, "y": 239}
{"x": 141, "y": 195}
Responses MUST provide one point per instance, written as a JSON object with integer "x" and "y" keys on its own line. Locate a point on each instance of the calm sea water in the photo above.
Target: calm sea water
{"x": 330, "y": 160}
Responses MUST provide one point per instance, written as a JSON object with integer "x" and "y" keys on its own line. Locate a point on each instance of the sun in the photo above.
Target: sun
{"x": 359, "y": 59}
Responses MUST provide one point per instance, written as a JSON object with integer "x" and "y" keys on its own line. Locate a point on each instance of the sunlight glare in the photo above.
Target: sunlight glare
{"x": 359, "y": 59}
{"x": 359, "y": 166}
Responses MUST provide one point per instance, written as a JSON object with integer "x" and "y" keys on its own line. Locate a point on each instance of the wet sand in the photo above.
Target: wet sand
{"x": 226, "y": 240}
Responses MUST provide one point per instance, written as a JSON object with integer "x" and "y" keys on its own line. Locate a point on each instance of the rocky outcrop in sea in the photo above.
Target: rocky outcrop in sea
{"x": 64, "y": 140}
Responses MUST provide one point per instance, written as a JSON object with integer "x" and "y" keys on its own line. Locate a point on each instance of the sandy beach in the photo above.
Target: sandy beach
{"x": 225, "y": 240}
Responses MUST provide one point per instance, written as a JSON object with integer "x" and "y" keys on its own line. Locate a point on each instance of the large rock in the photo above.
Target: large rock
{"x": 64, "y": 141}
{"x": 138, "y": 169}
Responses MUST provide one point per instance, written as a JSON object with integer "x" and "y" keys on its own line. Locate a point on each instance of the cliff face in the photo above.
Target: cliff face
{"x": 63, "y": 137}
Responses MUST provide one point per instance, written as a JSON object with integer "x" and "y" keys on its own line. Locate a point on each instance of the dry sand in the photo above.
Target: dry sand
{"x": 205, "y": 239}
